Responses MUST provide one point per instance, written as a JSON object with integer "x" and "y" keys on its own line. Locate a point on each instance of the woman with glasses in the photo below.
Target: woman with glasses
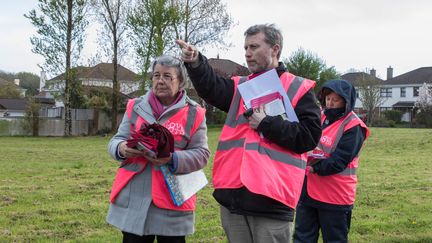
{"x": 141, "y": 205}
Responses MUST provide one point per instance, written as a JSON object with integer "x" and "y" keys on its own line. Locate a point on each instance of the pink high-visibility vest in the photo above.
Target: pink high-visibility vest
{"x": 243, "y": 158}
{"x": 182, "y": 125}
{"x": 340, "y": 188}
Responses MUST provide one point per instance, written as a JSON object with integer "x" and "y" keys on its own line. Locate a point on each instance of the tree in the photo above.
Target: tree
{"x": 202, "y": 22}
{"x": 308, "y": 65}
{"x": 6, "y": 76}
{"x": 424, "y": 99}
{"x": 328, "y": 73}
{"x": 113, "y": 14}
{"x": 31, "y": 118}
{"x": 369, "y": 89}
{"x": 77, "y": 100}
{"x": 29, "y": 81}
{"x": 60, "y": 28}
{"x": 156, "y": 23}
{"x": 424, "y": 104}
{"x": 150, "y": 22}
{"x": 9, "y": 91}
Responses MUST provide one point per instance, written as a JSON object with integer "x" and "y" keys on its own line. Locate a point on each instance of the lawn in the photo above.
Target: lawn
{"x": 56, "y": 189}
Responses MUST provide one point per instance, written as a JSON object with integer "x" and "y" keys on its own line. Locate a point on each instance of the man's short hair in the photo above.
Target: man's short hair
{"x": 272, "y": 35}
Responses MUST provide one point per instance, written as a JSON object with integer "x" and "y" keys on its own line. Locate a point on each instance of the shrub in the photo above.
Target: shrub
{"x": 220, "y": 117}
{"x": 4, "y": 127}
{"x": 380, "y": 121}
{"x": 214, "y": 115}
{"x": 391, "y": 123}
{"x": 393, "y": 115}
{"x": 424, "y": 118}
{"x": 31, "y": 118}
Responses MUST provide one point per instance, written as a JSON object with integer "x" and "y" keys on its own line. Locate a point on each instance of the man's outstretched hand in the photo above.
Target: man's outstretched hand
{"x": 189, "y": 52}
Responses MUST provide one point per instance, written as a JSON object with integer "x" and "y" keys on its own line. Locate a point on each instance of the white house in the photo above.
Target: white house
{"x": 12, "y": 107}
{"x": 398, "y": 93}
{"x": 100, "y": 75}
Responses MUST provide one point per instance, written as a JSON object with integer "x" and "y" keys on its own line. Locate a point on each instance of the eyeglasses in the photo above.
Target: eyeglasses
{"x": 165, "y": 77}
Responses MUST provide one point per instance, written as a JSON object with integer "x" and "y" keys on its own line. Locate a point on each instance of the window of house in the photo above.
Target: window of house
{"x": 402, "y": 92}
{"x": 416, "y": 91}
{"x": 386, "y": 92}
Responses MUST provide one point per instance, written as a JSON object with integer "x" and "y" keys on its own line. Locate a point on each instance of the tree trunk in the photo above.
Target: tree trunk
{"x": 68, "y": 118}
{"x": 35, "y": 123}
{"x": 116, "y": 86}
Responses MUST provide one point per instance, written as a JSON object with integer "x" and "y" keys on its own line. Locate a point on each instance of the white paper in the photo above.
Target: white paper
{"x": 183, "y": 186}
{"x": 263, "y": 84}
{"x": 191, "y": 183}
{"x": 274, "y": 108}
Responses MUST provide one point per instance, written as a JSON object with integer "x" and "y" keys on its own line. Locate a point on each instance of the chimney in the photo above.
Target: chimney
{"x": 42, "y": 80}
{"x": 16, "y": 81}
{"x": 389, "y": 72}
{"x": 373, "y": 72}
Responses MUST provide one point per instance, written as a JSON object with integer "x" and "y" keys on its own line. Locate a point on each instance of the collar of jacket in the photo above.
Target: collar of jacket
{"x": 279, "y": 69}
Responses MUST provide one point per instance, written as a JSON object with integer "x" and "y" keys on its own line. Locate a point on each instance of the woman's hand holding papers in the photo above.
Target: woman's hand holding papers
{"x": 159, "y": 161}
{"x": 128, "y": 152}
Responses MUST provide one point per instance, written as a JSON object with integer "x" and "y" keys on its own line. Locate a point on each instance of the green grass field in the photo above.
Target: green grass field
{"x": 56, "y": 190}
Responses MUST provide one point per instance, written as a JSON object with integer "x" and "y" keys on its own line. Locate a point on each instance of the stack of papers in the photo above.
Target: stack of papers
{"x": 265, "y": 84}
{"x": 262, "y": 100}
{"x": 273, "y": 104}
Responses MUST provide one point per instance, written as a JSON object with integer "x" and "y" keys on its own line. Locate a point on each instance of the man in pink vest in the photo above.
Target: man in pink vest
{"x": 330, "y": 186}
{"x": 260, "y": 161}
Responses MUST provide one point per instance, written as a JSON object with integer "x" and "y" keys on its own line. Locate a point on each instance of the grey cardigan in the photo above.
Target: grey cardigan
{"x": 133, "y": 210}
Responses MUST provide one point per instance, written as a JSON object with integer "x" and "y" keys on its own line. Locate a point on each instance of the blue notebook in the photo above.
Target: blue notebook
{"x": 183, "y": 186}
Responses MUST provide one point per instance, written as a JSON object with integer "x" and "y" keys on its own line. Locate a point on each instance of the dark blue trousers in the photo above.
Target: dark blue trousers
{"x": 131, "y": 238}
{"x": 334, "y": 224}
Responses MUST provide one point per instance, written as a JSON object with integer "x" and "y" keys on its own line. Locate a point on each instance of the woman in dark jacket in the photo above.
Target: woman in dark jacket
{"x": 329, "y": 189}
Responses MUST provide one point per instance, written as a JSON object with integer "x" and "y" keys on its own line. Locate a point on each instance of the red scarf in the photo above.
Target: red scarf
{"x": 157, "y": 107}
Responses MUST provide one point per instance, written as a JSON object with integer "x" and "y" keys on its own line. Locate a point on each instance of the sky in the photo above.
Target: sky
{"x": 346, "y": 34}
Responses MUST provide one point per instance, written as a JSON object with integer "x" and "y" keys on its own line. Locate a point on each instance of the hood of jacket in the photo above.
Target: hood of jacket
{"x": 344, "y": 89}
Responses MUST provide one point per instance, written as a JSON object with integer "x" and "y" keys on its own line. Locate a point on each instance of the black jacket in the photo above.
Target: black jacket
{"x": 298, "y": 137}
{"x": 348, "y": 147}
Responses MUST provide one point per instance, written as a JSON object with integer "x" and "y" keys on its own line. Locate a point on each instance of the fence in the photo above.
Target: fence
{"x": 51, "y": 123}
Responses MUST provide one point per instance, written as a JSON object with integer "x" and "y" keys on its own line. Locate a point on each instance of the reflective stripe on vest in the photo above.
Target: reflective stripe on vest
{"x": 340, "y": 188}
{"x": 133, "y": 166}
{"x": 230, "y": 144}
{"x": 273, "y": 154}
{"x": 330, "y": 149}
{"x": 232, "y": 120}
{"x": 190, "y": 120}
{"x": 243, "y": 158}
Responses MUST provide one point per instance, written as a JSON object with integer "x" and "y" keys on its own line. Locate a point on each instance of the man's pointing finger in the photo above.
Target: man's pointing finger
{"x": 181, "y": 43}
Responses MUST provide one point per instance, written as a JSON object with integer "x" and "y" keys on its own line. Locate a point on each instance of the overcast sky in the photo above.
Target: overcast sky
{"x": 345, "y": 33}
